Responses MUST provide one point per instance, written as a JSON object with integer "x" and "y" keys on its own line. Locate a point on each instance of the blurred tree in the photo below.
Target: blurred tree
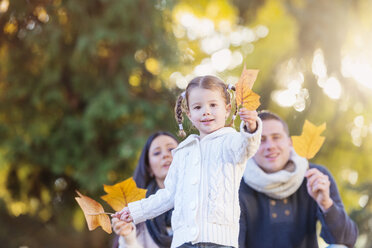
{"x": 83, "y": 84}
{"x": 79, "y": 93}
{"x": 328, "y": 33}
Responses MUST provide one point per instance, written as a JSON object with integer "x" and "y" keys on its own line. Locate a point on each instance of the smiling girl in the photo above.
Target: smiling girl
{"x": 203, "y": 180}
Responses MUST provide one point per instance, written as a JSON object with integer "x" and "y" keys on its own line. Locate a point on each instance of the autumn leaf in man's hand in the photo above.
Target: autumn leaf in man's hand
{"x": 94, "y": 213}
{"x": 310, "y": 141}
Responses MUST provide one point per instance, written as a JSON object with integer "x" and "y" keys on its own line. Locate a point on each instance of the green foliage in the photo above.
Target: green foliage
{"x": 68, "y": 110}
{"x": 83, "y": 83}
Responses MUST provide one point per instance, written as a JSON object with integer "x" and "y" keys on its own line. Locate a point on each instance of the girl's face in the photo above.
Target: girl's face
{"x": 207, "y": 110}
{"x": 160, "y": 157}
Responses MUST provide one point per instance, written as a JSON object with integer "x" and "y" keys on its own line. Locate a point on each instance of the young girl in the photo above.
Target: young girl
{"x": 203, "y": 180}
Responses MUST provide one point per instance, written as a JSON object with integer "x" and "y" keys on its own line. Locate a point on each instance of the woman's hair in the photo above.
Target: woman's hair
{"x": 141, "y": 174}
{"x": 204, "y": 82}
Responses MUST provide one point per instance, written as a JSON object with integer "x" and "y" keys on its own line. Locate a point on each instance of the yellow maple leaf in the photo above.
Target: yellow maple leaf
{"x": 244, "y": 95}
{"x": 119, "y": 195}
{"x": 94, "y": 213}
{"x": 310, "y": 141}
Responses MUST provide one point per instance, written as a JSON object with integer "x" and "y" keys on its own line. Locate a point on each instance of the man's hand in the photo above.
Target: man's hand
{"x": 249, "y": 118}
{"x": 318, "y": 186}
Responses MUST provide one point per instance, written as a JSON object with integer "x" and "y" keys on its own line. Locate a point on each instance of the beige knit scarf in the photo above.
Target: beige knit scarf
{"x": 278, "y": 185}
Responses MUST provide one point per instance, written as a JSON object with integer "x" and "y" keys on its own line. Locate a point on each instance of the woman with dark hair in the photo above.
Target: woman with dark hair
{"x": 150, "y": 173}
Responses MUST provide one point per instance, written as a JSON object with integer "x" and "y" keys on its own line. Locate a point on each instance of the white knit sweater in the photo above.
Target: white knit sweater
{"x": 202, "y": 185}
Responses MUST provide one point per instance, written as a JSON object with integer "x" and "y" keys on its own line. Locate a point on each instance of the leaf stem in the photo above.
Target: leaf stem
{"x": 101, "y": 213}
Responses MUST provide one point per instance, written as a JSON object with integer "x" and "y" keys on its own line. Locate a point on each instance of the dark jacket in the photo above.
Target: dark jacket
{"x": 291, "y": 222}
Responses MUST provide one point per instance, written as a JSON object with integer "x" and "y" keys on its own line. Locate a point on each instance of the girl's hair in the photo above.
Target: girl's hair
{"x": 141, "y": 174}
{"x": 204, "y": 82}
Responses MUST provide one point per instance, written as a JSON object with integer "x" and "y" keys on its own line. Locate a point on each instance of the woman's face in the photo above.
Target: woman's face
{"x": 160, "y": 157}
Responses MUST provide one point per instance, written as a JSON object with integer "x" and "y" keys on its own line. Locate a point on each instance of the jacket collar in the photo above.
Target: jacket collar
{"x": 195, "y": 138}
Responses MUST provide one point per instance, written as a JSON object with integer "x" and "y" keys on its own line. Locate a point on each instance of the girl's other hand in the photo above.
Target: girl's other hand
{"x": 124, "y": 215}
{"x": 250, "y": 119}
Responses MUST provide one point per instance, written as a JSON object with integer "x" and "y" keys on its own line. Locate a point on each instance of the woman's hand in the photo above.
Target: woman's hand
{"x": 121, "y": 227}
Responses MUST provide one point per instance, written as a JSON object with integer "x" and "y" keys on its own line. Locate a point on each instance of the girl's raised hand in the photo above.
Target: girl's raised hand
{"x": 250, "y": 119}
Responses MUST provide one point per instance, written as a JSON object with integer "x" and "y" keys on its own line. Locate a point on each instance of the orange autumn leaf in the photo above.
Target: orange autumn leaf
{"x": 94, "y": 213}
{"x": 244, "y": 95}
{"x": 310, "y": 141}
{"x": 119, "y": 195}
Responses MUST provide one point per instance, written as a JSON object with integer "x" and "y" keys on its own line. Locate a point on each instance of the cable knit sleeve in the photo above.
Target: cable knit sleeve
{"x": 243, "y": 145}
{"x": 337, "y": 227}
{"x": 161, "y": 201}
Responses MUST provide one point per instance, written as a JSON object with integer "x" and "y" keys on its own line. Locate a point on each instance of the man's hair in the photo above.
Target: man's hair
{"x": 267, "y": 115}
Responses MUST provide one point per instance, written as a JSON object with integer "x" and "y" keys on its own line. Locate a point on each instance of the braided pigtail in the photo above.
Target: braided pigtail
{"x": 232, "y": 89}
{"x": 178, "y": 113}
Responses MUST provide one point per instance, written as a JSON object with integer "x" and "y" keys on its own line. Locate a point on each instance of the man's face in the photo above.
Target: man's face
{"x": 274, "y": 151}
